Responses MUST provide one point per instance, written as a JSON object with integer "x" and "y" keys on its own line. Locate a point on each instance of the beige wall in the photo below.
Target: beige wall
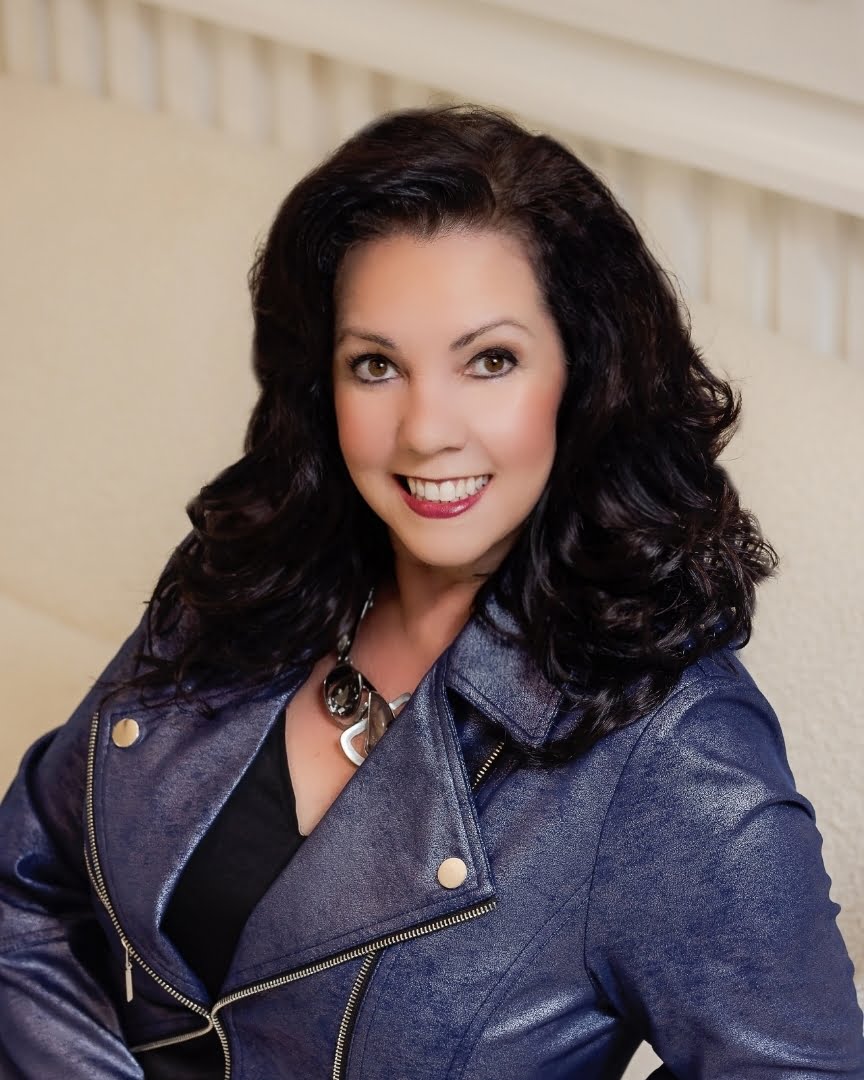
{"x": 125, "y": 238}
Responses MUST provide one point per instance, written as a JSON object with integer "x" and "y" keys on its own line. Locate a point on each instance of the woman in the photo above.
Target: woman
{"x": 431, "y": 755}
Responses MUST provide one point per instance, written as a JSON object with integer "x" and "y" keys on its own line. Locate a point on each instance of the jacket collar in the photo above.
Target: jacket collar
{"x": 495, "y": 676}
{"x": 500, "y": 679}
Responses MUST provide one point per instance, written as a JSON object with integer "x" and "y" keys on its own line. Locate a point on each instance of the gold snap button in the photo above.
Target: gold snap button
{"x": 125, "y": 732}
{"x": 451, "y": 873}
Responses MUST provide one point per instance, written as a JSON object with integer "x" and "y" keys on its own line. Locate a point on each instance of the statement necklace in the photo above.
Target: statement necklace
{"x": 352, "y": 700}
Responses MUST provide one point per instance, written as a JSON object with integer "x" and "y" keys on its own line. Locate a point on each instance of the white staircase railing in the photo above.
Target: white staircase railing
{"x": 750, "y": 188}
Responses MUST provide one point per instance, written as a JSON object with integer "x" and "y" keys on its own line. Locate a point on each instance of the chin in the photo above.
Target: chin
{"x": 462, "y": 561}
{"x": 439, "y": 559}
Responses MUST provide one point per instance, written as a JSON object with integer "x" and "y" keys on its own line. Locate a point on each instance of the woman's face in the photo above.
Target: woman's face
{"x": 448, "y": 371}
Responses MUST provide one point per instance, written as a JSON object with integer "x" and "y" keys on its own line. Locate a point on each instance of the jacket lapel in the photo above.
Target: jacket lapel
{"x": 155, "y": 799}
{"x": 370, "y": 867}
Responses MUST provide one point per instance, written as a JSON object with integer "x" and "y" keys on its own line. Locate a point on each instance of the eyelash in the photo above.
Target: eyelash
{"x": 355, "y": 361}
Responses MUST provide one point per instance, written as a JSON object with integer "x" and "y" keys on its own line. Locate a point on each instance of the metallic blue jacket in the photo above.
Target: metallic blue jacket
{"x": 667, "y": 886}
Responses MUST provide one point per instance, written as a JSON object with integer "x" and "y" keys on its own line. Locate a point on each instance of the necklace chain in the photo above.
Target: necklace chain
{"x": 353, "y": 702}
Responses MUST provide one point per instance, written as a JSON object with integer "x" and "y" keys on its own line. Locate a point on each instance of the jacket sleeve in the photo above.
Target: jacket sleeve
{"x": 57, "y": 1018}
{"x": 710, "y": 928}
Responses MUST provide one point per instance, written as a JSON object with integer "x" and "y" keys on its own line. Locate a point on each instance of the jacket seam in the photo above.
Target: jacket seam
{"x": 502, "y": 978}
{"x": 506, "y": 975}
{"x": 717, "y": 679}
{"x": 598, "y": 989}
{"x": 10, "y": 945}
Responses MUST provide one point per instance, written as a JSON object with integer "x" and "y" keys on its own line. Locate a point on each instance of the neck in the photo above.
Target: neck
{"x": 423, "y": 609}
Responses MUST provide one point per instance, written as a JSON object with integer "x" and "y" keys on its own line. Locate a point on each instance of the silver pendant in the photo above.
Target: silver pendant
{"x": 377, "y": 717}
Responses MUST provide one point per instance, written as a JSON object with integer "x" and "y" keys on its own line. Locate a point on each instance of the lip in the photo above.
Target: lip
{"x": 428, "y": 509}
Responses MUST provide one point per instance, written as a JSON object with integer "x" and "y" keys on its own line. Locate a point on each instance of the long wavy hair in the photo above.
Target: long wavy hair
{"x": 637, "y": 558}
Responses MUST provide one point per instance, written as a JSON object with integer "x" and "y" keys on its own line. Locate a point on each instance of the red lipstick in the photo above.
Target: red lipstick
{"x": 428, "y": 509}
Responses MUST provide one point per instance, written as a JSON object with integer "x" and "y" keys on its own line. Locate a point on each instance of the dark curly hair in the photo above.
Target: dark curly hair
{"x": 638, "y": 557}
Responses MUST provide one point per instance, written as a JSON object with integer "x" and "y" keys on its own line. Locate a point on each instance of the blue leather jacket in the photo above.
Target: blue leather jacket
{"x": 667, "y": 886}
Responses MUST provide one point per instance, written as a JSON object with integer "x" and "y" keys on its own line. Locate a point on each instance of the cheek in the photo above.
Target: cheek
{"x": 523, "y": 433}
{"x": 360, "y": 430}
{"x": 349, "y": 423}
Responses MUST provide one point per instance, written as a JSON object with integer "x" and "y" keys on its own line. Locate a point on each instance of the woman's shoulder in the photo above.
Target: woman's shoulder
{"x": 711, "y": 756}
{"x": 709, "y": 897}
{"x": 718, "y": 705}
{"x": 716, "y": 724}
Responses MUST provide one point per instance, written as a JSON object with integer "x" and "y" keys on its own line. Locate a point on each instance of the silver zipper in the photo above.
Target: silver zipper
{"x": 487, "y": 765}
{"x": 127, "y": 965}
{"x": 351, "y": 954}
{"x": 348, "y": 1015}
{"x": 94, "y": 872}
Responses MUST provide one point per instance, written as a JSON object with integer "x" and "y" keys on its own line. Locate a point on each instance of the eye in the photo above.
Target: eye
{"x": 498, "y": 358}
{"x": 502, "y": 361}
{"x": 376, "y": 362}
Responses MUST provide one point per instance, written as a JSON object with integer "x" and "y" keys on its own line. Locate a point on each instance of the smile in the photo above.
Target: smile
{"x": 444, "y": 498}
{"x": 445, "y": 491}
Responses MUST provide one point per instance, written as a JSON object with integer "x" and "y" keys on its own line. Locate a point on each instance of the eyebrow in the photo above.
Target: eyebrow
{"x": 459, "y": 343}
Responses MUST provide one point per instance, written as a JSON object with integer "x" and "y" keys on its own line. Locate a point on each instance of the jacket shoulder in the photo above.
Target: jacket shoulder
{"x": 716, "y": 731}
{"x": 710, "y": 920}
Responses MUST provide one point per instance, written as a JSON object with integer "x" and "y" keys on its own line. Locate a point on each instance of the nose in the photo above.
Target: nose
{"x": 432, "y": 419}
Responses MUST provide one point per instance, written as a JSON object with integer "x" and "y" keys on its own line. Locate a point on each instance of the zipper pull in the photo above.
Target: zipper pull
{"x": 128, "y": 966}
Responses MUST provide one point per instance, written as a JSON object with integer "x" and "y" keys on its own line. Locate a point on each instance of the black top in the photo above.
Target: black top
{"x": 245, "y": 849}
{"x": 238, "y": 858}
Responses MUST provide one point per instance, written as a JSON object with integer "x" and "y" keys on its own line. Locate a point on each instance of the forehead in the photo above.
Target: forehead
{"x": 456, "y": 269}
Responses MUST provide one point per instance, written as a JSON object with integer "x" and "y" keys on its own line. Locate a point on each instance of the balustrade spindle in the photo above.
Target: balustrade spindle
{"x": 130, "y": 53}
{"x": 186, "y": 75}
{"x": 297, "y": 101}
{"x": 674, "y": 203}
{"x": 808, "y": 276}
{"x": 243, "y": 87}
{"x": 78, "y": 44}
{"x": 25, "y": 34}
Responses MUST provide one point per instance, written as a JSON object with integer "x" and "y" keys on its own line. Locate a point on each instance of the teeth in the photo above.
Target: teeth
{"x": 447, "y": 490}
